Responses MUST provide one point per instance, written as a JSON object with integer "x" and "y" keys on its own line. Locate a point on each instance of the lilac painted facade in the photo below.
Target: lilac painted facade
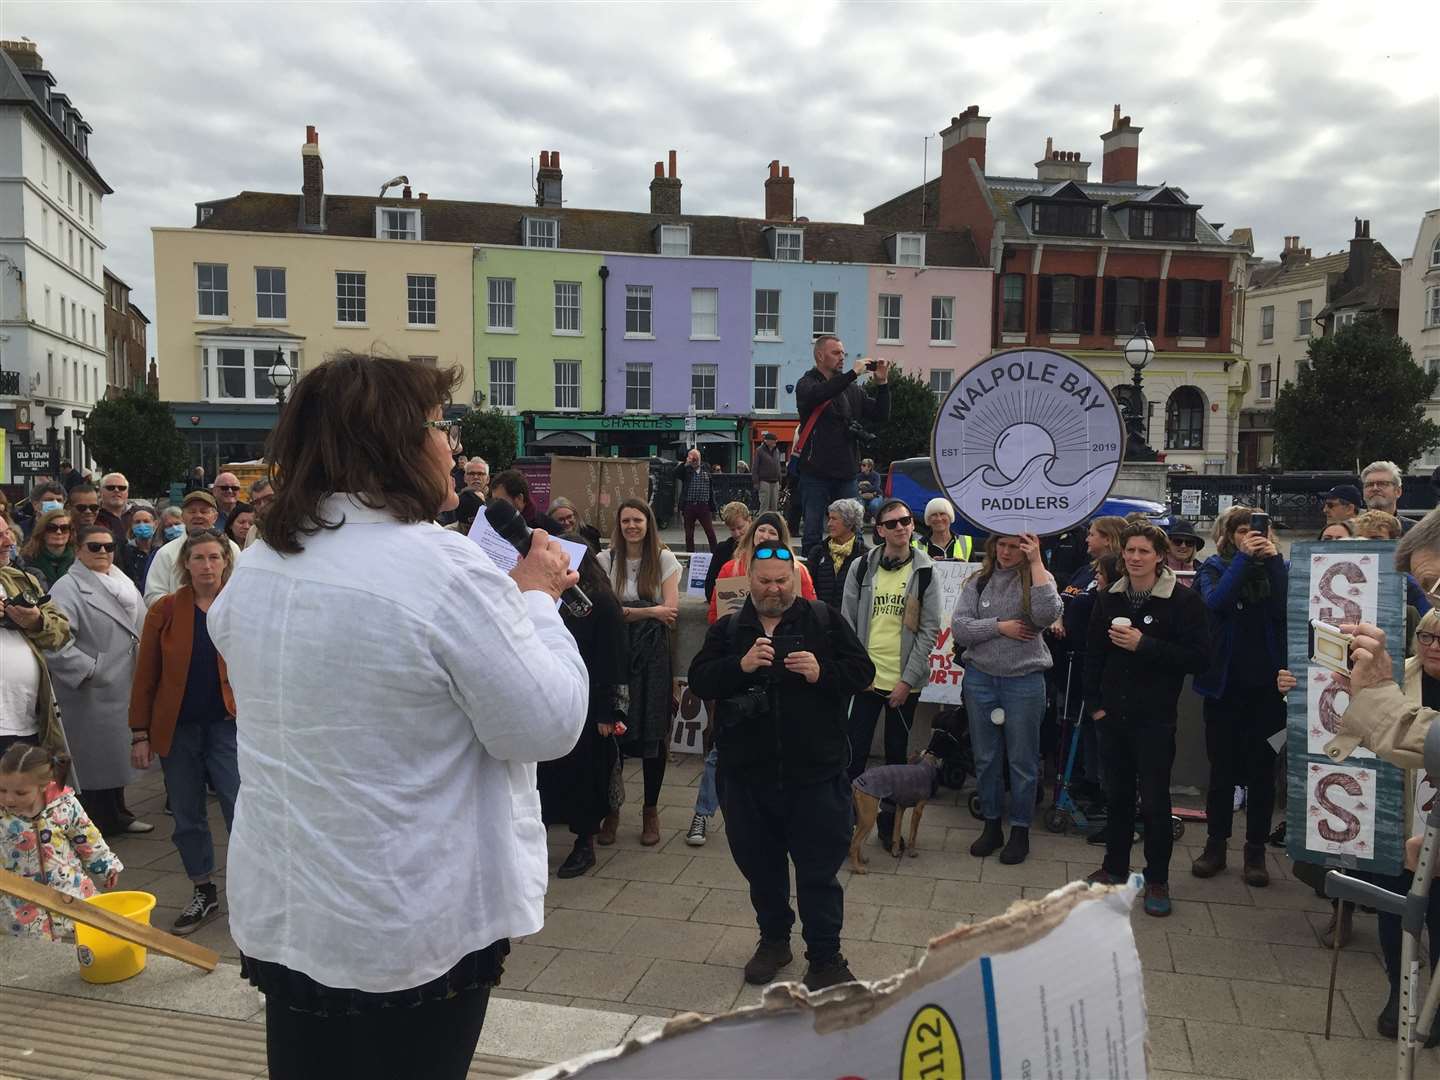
{"x": 678, "y": 340}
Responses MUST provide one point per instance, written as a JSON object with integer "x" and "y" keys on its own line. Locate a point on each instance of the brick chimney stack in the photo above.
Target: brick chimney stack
{"x": 960, "y": 143}
{"x": 547, "y": 179}
{"x": 665, "y": 190}
{"x": 1121, "y": 163}
{"x": 1293, "y": 252}
{"x": 312, "y": 183}
{"x": 1061, "y": 165}
{"x": 1362, "y": 252}
{"x": 779, "y": 193}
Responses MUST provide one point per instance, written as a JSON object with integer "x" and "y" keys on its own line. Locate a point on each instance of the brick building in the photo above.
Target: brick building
{"x": 126, "y": 329}
{"x": 1080, "y": 264}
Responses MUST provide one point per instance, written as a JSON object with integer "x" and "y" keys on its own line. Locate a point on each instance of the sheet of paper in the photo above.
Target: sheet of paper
{"x": 503, "y": 555}
{"x": 699, "y": 567}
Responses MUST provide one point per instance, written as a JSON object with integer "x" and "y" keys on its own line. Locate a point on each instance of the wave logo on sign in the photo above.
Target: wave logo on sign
{"x": 1028, "y": 441}
{"x": 932, "y": 1048}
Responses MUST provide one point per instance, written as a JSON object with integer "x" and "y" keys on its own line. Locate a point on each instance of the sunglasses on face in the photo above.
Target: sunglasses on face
{"x": 227, "y": 487}
{"x": 86, "y": 508}
{"x": 896, "y": 523}
{"x": 124, "y": 487}
{"x": 774, "y": 553}
{"x": 53, "y": 528}
{"x": 95, "y": 547}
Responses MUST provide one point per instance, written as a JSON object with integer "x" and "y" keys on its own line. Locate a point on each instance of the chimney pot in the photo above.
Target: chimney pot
{"x": 775, "y": 167}
{"x": 672, "y": 164}
{"x": 659, "y": 170}
{"x": 555, "y": 159}
{"x": 424, "y": 197}
{"x": 312, "y": 137}
{"x": 785, "y": 171}
{"x": 1115, "y": 120}
{"x": 405, "y": 192}
{"x": 1049, "y": 145}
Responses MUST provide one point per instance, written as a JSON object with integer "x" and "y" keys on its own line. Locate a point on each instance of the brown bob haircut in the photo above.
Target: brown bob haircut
{"x": 355, "y": 423}
{"x": 1153, "y": 533}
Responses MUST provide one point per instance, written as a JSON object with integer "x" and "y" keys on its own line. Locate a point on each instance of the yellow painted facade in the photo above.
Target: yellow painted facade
{"x": 311, "y": 264}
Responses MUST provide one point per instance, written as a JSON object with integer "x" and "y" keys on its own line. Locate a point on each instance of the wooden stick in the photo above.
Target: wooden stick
{"x": 73, "y": 907}
{"x": 1334, "y": 966}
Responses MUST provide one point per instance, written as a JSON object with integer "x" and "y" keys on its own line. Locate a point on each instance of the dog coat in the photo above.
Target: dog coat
{"x": 904, "y": 785}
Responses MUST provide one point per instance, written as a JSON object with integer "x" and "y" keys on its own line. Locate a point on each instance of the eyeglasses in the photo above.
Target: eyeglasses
{"x": 1379, "y": 483}
{"x": 451, "y": 428}
{"x": 124, "y": 487}
{"x": 1425, "y": 638}
{"x": 85, "y": 508}
{"x": 896, "y": 523}
{"x": 54, "y": 528}
{"x": 774, "y": 553}
{"x": 95, "y": 547}
{"x": 227, "y": 487}
{"x": 1182, "y": 541}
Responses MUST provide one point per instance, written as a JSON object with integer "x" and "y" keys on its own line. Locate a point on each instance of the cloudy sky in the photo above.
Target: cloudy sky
{"x": 1286, "y": 117}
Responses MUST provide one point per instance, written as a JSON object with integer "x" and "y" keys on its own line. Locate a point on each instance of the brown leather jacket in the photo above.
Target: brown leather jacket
{"x": 164, "y": 666}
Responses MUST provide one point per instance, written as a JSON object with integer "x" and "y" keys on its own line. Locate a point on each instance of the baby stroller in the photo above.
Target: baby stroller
{"x": 1417, "y": 1005}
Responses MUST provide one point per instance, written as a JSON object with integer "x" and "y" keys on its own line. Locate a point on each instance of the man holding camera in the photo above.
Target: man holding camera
{"x": 831, "y": 405}
{"x": 30, "y": 623}
{"x": 782, "y": 669}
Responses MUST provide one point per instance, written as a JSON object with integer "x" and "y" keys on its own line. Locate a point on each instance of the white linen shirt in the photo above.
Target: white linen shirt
{"x": 393, "y": 691}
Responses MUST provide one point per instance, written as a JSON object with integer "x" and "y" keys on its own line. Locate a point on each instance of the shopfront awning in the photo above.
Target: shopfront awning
{"x": 707, "y": 437}
{"x": 580, "y": 439}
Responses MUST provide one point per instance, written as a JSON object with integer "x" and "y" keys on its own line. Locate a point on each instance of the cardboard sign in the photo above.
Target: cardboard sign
{"x": 730, "y": 595}
{"x": 1190, "y": 503}
{"x": 946, "y": 674}
{"x": 1027, "y": 441}
{"x": 1051, "y": 989}
{"x": 1349, "y": 814}
{"x": 688, "y": 719}
{"x": 695, "y": 578}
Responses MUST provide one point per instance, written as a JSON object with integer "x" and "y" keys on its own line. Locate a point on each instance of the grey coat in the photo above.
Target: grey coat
{"x": 977, "y": 617}
{"x": 921, "y": 625}
{"x": 92, "y": 674}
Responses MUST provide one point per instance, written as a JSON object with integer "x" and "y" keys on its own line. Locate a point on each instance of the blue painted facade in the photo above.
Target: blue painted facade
{"x": 798, "y": 283}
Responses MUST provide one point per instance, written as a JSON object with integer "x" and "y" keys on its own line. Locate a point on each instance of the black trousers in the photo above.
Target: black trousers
{"x": 769, "y": 826}
{"x": 435, "y": 1040}
{"x": 1236, "y": 729}
{"x": 106, "y": 808}
{"x": 1138, "y": 752}
{"x": 865, "y": 713}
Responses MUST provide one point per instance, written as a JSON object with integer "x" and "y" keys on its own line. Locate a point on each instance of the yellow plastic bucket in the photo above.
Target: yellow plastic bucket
{"x": 103, "y": 957}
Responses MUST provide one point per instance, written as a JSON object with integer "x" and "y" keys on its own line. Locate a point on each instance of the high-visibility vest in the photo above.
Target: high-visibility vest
{"x": 960, "y": 547}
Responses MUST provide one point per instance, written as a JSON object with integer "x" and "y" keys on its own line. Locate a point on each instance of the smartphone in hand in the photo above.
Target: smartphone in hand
{"x": 784, "y": 645}
{"x": 1260, "y": 523}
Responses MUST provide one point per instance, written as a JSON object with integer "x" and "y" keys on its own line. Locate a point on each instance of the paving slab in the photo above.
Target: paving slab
{"x": 1359, "y": 969}
{"x": 1248, "y": 1053}
{"x": 973, "y": 897}
{"x": 669, "y": 939}
{"x": 1289, "y": 1008}
{"x": 713, "y": 874}
{"x": 736, "y": 944}
{"x": 912, "y": 926}
{"x": 1030, "y": 872}
{"x": 1154, "y": 950}
{"x": 1169, "y": 1045}
{"x": 647, "y": 866}
{"x": 1221, "y": 958}
{"x": 1263, "y": 924}
{"x": 1348, "y": 1059}
{"x": 651, "y": 898}
{"x": 687, "y": 987}
{"x": 590, "y": 974}
{"x": 549, "y": 1033}
{"x": 936, "y": 863}
{"x": 1189, "y": 997}
{"x": 890, "y": 890}
{"x": 598, "y": 931}
{"x": 524, "y": 963}
{"x": 586, "y": 893}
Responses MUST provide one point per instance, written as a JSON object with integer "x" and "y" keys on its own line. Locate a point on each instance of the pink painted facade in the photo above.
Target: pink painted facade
{"x": 966, "y": 294}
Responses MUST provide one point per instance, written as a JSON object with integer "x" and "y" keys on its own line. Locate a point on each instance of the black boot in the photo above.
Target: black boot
{"x": 990, "y": 840}
{"x": 1017, "y": 847}
{"x": 1211, "y": 860}
{"x": 580, "y": 859}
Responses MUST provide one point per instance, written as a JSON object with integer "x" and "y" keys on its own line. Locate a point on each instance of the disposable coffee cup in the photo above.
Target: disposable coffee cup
{"x": 1120, "y": 621}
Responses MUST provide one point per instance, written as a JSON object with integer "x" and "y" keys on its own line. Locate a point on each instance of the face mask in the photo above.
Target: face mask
{"x": 174, "y": 532}
{"x": 46, "y": 505}
{"x": 143, "y": 530}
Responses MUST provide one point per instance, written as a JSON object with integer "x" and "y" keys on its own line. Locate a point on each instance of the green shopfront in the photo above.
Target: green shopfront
{"x": 634, "y": 435}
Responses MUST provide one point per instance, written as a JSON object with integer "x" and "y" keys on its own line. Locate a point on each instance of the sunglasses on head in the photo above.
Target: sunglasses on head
{"x": 896, "y": 523}
{"x": 773, "y": 553}
{"x": 95, "y": 547}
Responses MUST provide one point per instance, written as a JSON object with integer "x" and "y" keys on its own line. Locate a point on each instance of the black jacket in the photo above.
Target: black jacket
{"x": 830, "y": 586}
{"x": 1145, "y": 685}
{"x": 724, "y": 552}
{"x": 800, "y": 738}
{"x": 830, "y": 449}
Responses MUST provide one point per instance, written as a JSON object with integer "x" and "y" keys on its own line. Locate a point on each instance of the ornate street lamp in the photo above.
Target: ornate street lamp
{"x": 1139, "y": 351}
{"x": 281, "y": 376}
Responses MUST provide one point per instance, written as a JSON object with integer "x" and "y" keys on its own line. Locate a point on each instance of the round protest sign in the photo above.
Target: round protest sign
{"x": 1027, "y": 441}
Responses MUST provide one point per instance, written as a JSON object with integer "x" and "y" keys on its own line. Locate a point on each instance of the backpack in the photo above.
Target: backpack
{"x": 923, "y": 574}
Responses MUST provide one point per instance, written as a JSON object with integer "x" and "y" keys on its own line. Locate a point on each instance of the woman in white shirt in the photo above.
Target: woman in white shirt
{"x": 646, "y": 577}
{"x": 387, "y": 678}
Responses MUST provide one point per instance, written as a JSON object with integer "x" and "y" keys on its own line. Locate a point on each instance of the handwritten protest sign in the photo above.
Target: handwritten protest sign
{"x": 695, "y": 577}
{"x": 1352, "y": 813}
{"x": 688, "y": 717}
{"x": 946, "y": 675}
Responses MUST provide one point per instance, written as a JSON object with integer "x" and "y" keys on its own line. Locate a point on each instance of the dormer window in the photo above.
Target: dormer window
{"x": 910, "y": 249}
{"x": 787, "y": 245}
{"x": 674, "y": 240}
{"x": 1163, "y": 224}
{"x": 397, "y": 224}
{"x": 542, "y": 232}
{"x": 1065, "y": 219}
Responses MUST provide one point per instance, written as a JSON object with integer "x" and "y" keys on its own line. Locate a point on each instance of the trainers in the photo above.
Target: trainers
{"x": 1104, "y": 877}
{"x": 826, "y": 973}
{"x": 135, "y": 825}
{"x": 696, "y": 836}
{"x": 769, "y": 958}
{"x": 1157, "y": 900}
{"x": 204, "y": 905}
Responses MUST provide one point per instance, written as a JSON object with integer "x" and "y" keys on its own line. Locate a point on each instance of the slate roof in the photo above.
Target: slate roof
{"x": 15, "y": 90}
{"x": 904, "y": 210}
{"x": 620, "y": 231}
{"x": 1276, "y": 275}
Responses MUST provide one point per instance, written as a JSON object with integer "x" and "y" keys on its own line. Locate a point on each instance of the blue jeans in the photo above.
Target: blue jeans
{"x": 708, "y": 801}
{"x": 816, "y": 495}
{"x": 198, "y": 750}
{"x": 1023, "y": 699}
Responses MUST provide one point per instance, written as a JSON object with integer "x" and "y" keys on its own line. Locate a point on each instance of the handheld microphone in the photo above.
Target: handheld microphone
{"x": 506, "y": 521}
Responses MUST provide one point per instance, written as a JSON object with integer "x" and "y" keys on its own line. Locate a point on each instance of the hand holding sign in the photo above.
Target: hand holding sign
{"x": 1372, "y": 665}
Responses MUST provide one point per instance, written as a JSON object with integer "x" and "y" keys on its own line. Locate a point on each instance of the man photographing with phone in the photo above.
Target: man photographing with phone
{"x": 782, "y": 668}
{"x": 830, "y": 406}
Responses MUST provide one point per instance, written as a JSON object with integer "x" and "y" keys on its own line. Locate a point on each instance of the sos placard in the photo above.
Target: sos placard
{"x": 1350, "y": 813}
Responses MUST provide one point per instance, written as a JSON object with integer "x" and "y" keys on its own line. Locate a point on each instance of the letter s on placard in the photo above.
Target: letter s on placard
{"x": 932, "y": 1047}
{"x": 1349, "y": 610}
{"x": 1350, "y": 786}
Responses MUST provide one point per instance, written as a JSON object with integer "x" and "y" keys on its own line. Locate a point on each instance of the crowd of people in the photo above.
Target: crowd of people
{"x": 134, "y": 633}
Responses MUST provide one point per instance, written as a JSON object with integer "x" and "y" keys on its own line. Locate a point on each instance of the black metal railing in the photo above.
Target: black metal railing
{"x": 9, "y": 384}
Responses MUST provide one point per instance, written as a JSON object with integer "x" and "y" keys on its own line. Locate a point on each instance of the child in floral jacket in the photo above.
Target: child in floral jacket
{"x": 46, "y": 836}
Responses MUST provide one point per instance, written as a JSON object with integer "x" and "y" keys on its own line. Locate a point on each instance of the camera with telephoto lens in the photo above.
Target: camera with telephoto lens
{"x": 859, "y": 434}
{"x": 25, "y": 599}
{"x": 752, "y": 704}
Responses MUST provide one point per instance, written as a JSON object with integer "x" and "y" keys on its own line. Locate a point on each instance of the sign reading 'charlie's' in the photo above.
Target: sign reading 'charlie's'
{"x": 1027, "y": 441}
